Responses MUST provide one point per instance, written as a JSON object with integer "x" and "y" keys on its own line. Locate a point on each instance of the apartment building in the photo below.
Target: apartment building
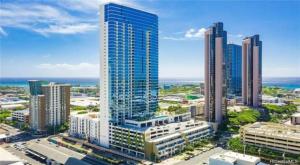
{"x": 49, "y": 104}
{"x": 21, "y": 115}
{"x": 85, "y": 126}
{"x": 215, "y": 43}
{"x": 252, "y": 71}
{"x": 57, "y": 103}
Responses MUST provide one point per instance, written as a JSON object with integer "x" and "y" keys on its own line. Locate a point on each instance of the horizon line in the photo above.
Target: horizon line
{"x": 159, "y": 77}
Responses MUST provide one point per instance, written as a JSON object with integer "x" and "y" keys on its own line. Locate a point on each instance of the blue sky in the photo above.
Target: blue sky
{"x": 60, "y": 38}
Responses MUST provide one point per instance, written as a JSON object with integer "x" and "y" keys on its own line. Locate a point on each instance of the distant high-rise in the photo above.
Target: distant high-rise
{"x": 234, "y": 67}
{"x": 49, "y": 104}
{"x": 252, "y": 71}
{"x": 215, "y": 73}
{"x": 129, "y": 66}
{"x": 36, "y": 106}
{"x": 35, "y": 87}
{"x": 57, "y": 97}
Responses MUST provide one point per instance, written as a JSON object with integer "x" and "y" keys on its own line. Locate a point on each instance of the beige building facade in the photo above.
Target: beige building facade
{"x": 280, "y": 137}
{"x": 252, "y": 71}
{"x": 215, "y": 43}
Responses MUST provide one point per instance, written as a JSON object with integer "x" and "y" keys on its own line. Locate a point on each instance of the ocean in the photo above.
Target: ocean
{"x": 287, "y": 83}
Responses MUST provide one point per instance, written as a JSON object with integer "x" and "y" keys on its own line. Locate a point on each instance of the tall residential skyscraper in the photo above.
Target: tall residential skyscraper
{"x": 252, "y": 71}
{"x": 36, "y": 106}
{"x": 129, "y": 66}
{"x": 234, "y": 66}
{"x": 57, "y": 99}
{"x": 49, "y": 104}
{"x": 215, "y": 78}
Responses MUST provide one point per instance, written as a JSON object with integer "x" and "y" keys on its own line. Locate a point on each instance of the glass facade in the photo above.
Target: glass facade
{"x": 35, "y": 87}
{"x": 132, "y": 54}
{"x": 234, "y": 74}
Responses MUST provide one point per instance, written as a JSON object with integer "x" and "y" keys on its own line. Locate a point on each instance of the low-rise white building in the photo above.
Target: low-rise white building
{"x": 272, "y": 100}
{"x": 85, "y": 126}
{"x": 21, "y": 115}
{"x": 297, "y": 92}
{"x": 295, "y": 119}
{"x": 233, "y": 158}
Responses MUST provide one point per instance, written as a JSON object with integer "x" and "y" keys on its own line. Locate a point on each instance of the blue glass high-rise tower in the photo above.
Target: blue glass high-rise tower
{"x": 129, "y": 66}
{"x": 234, "y": 66}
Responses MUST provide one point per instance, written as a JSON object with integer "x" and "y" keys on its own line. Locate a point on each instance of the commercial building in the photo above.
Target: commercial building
{"x": 85, "y": 126}
{"x": 233, "y": 158}
{"x": 49, "y": 104}
{"x": 215, "y": 43}
{"x": 160, "y": 137}
{"x": 129, "y": 66}
{"x": 252, "y": 71}
{"x": 21, "y": 115}
{"x": 57, "y": 101}
{"x": 280, "y": 137}
{"x": 234, "y": 70}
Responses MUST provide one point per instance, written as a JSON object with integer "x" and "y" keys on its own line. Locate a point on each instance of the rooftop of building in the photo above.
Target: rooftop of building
{"x": 244, "y": 157}
{"x": 223, "y": 158}
{"x": 7, "y": 157}
{"x": 91, "y": 115}
{"x": 179, "y": 132}
{"x": 25, "y": 111}
{"x": 156, "y": 117}
{"x": 273, "y": 129}
{"x": 56, "y": 84}
{"x": 126, "y": 6}
{"x": 296, "y": 115}
{"x": 232, "y": 157}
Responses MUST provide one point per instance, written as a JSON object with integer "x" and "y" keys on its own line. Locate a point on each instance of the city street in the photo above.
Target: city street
{"x": 21, "y": 154}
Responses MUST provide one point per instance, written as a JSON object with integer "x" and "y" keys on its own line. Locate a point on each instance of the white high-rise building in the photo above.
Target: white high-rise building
{"x": 85, "y": 126}
{"x": 57, "y": 101}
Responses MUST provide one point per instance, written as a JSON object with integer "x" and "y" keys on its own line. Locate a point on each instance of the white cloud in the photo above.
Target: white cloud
{"x": 93, "y": 5}
{"x": 190, "y": 34}
{"x": 236, "y": 35}
{"x": 174, "y": 38}
{"x": 43, "y": 18}
{"x": 67, "y": 29}
{"x": 2, "y": 32}
{"x": 55, "y": 17}
{"x": 65, "y": 66}
{"x": 194, "y": 33}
